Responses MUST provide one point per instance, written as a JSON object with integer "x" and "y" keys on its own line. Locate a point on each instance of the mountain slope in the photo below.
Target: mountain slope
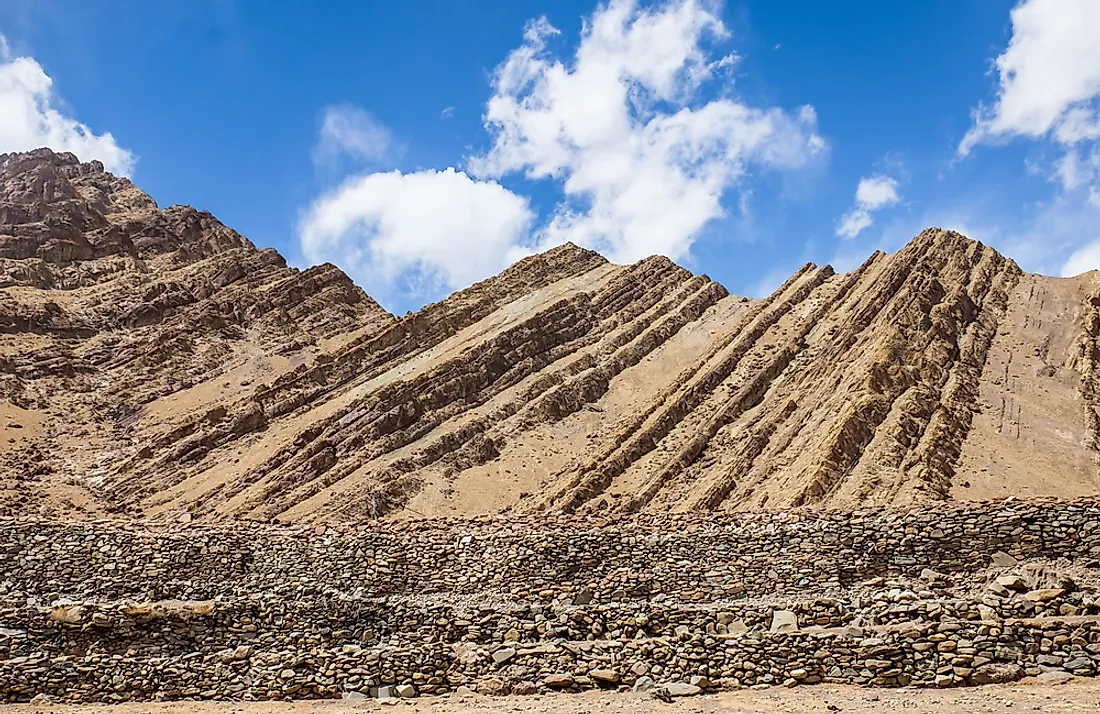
{"x": 158, "y": 364}
{"x": 109, "y": 304}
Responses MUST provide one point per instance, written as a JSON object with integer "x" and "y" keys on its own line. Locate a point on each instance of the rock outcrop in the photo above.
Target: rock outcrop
{"x": 155, "y": 363}
{"x": 108, "y": 304}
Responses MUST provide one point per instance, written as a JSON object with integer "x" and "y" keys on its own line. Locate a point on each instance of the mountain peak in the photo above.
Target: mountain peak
{"x": 214, "y": 380}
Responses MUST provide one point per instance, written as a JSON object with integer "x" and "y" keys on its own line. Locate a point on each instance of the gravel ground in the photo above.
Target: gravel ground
{"x": 1079, "y": 696}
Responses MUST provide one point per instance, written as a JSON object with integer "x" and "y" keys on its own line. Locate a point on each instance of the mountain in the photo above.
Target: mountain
{"x": 155, "y": 363}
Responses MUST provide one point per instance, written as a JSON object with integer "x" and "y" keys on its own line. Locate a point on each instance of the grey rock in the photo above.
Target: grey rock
{"x": 997, "y": 673}
{"x": 737, "y": 627}
{"x": 988, "y": 614}
{"x": 1079, "y": 663}
{"x": 1012, "y": 582}
{"x": 784, "y": 621}
{"x": 504, "y": 654}
{"x": 1054, "y": 677}
{"x": 493, "y": 686}
{"x": 681, "y": 689}
{"x": 931, "y": 576}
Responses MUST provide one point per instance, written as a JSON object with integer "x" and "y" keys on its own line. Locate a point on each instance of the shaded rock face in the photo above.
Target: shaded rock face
{"x": 166, "y": 367}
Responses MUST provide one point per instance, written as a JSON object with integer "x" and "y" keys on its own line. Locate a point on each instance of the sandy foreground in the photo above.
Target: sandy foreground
{"x": 1079, "y": 696}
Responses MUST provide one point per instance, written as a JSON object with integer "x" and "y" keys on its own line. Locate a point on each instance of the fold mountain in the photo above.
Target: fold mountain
{"x": 155, "y": 363}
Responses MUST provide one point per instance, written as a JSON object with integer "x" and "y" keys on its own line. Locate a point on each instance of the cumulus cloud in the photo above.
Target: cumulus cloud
{"x": 872, "y": 194}
{"x": 643, "y": 162}
{"x": 1049, "y": 92}
{"x": 29, "y": 119}
{"x": 416, "y": 233}
{"x": 350, "y": 132}
{"x": 1049, "y": 76}
{"x": 1049, "y": 87}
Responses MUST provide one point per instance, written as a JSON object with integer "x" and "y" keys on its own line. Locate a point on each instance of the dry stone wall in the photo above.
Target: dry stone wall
{"x": 951, "y": 595}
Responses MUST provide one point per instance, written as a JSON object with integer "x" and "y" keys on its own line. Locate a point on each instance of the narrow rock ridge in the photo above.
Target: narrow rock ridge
{"x": 155, "y": 363}
{"x": 1085, "y": 358}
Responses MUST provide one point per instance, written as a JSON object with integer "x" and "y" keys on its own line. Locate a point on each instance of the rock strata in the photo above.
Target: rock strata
{"x": 154, "y": 363}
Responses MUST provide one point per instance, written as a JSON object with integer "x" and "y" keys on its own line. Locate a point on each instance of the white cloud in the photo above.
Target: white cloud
{"x": 1082, "y": 260}
{"x": 29, "y": 120}
{"x": 447, "y": 113}
{"x": 853, "y": 223}
{"x": 1078, "y": 168}
{"x": 872, "y": 194}
{"x": 1049, "y": 91}
{"x": 877, "y": 192}
{"x": 415, "y": 233}
{"x": 1049, "y": 88}
{"x": 347, "y": 130}
{"x": 642, "y": 161}
{"x": 1049, "y": 76}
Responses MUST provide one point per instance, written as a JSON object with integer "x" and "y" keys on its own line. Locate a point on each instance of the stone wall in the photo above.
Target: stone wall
{"x": 880, "y": 597}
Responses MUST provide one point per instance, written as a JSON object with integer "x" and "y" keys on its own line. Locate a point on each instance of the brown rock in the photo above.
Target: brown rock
{"x": 180, "y": 349}
{"x": 607, "y": 676}
{"x": 558, "y": 681}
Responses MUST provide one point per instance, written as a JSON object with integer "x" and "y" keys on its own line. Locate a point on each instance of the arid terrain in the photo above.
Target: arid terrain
{"x": 154, "y": 363}
{"x": 574, "y": 486}
{"x": 1077, "y": 697}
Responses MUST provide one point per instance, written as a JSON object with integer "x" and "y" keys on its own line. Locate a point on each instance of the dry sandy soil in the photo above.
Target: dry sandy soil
{"x": 1079, "y": 696}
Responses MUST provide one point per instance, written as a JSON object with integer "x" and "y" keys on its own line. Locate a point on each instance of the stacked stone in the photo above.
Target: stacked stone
{"x": 107, "y": 611}
{"x": 922, "y": 654}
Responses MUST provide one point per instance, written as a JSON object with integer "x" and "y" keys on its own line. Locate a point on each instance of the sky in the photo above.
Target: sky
{"x": 424, "y": 146}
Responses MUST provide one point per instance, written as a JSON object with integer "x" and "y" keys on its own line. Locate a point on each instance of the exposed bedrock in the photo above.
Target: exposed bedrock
{"x": 172, "y": 369}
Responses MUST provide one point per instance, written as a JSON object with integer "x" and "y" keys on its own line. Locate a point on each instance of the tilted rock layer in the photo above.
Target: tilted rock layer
{"x": 153, "y": 362}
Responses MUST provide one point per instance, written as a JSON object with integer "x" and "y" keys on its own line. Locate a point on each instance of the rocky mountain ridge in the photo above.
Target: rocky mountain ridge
{"x": 155, "y": 363}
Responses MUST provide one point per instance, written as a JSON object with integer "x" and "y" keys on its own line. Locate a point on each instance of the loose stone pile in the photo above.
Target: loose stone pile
{"x": 951, "y": 595}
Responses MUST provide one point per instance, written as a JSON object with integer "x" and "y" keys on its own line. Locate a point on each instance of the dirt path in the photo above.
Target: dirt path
{"x": 1079, "y": 696}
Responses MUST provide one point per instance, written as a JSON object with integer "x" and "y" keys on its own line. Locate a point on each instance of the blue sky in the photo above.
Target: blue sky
{"x": 422, "y": 146}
